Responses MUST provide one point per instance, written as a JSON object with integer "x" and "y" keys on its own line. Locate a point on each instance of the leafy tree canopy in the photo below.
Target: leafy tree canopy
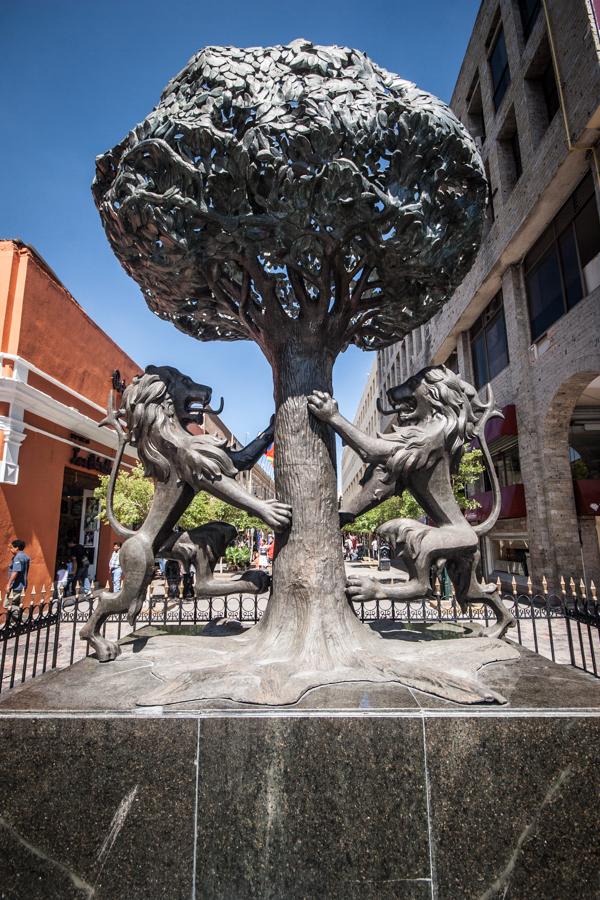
{"x": 294, "y": 188}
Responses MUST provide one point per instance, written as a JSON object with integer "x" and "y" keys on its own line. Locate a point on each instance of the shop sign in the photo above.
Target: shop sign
{"x": 90, "y": 461}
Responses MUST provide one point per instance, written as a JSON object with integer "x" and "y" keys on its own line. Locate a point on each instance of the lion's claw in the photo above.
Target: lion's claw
{"x": 322, "y": 405}
{"x": 360, "y": 590}
{"x": 277, "y": 514}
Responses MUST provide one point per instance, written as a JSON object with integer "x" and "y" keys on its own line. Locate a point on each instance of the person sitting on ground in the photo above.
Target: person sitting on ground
{"x": 62, "y": 580}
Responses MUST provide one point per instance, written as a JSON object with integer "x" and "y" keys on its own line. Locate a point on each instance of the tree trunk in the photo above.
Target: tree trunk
{"x": 308, "y": 614}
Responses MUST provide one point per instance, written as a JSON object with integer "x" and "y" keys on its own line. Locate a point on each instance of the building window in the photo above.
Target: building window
{"x": 564, "y": 264}
{"x": 452, "y": 362}
{"x": 499, "y": 68}
{"x": 489, "y": 347}
{"x": 509, "y": 154}
{"x": 541, "y": 92}
{"x": 550, "y": 91}
{"x": 529, "y": 10}
{"x": 475, "y": 119}
{"x": 492, "y": 191}
{"x": 515, "y": 151}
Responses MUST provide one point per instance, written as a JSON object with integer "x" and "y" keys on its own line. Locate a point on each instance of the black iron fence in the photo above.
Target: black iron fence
{"x": 564, "y": 628}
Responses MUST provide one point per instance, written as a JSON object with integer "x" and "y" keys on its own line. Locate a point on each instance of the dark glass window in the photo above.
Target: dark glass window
{"x": 476, "y": 120}
{"x": 515, "y": 149}
{"x": 499, "y": 68}
{"x": 452, "y": 362}
{"x": 550, "y": 91}
{"x": 529, "y": 10}
{"x": 544, "y": 289}
{"x": 554, "y": 267}
{"x": 489, "y": 347}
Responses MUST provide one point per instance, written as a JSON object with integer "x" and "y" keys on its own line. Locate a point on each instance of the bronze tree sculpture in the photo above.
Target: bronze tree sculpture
{"x": 306, "y": 199}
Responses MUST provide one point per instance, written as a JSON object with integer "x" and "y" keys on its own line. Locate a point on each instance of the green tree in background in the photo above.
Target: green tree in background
{"x": 406, "y": 507}
{"x": 133, "y": 495}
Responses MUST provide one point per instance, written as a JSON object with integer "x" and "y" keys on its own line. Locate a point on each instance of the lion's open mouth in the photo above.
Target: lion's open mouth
{"x": 405, "y": 408}
{"x": 196, "y": 407}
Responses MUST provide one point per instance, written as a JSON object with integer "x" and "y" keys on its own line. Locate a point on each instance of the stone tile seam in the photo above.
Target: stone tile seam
{"x": 382, "y": 713}
{"x": 428, "y": 808}
{"x": 196, "y": 801}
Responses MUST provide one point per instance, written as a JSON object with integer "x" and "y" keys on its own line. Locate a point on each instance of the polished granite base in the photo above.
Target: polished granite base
{"x": 358, "y": 791}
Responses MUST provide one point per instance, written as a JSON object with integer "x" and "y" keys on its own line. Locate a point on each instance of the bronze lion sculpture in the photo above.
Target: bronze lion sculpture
{"x": 438, "y": 413}
{"x": 156, "y": 409}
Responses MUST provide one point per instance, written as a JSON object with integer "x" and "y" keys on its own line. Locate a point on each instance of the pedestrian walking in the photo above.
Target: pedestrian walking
{"x": 18, "y": 572}
{"x": 114, "y": 567}
{"x": 81, "y": 566}
{"x": 374, "y": 548}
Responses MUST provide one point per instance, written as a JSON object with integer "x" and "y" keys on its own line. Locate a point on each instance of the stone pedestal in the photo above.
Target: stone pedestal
{"x": 356, "y": 792}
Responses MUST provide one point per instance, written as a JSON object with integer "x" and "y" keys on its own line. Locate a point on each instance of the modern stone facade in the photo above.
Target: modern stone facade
{"x": 367, "y": 419}
{"x": 538, "y": 137}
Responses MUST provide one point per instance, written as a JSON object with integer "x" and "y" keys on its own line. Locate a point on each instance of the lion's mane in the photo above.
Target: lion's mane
{"x": 456, "y": 410}
{"x": 161, "y": 440}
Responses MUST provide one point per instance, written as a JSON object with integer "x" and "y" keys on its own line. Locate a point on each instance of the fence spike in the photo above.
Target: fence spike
{"x": 107, "y": 585}
{"x": 593, "y": 590}
{"x": 582, "y": 588}
{"x": 563, "y": 586}
{"x": 544, "y": 584}
{"x": 572, "y": 587}
{"x": 437, "y": 586}
{"x": 529, "y": 586}
{"x": 498, "y": 585}
{"x": 514, "y": 585}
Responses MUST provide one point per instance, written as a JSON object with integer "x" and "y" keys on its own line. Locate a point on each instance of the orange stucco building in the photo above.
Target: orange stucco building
{"x": 57, "y": 368}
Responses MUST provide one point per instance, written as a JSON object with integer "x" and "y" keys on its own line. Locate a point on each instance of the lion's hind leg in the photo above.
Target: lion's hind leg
{"x": 108, "y": 604}
{"x": 138, "y": 563}
{"x": 463, "y": 573}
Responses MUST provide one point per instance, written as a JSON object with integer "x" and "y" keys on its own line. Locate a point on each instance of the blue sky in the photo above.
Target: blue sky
{"x": 76, "y": 75}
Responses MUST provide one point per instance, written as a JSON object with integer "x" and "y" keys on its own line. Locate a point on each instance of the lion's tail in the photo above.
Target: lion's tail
{"x": 112, "y": 419}
{"x": 490, "y": 412}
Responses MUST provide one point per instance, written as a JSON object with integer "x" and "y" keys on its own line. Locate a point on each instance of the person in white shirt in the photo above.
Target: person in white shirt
{"x": 115, "y": 567}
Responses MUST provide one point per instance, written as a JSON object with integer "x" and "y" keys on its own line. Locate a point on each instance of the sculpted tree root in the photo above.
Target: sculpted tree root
{"x": 245, "y": 669}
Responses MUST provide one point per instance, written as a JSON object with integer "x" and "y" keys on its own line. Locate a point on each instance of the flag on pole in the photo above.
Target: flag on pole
{"x": 270, "y": 453}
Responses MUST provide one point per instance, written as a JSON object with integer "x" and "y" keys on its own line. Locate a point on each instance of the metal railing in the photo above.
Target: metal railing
{"x": 44, "y": 635}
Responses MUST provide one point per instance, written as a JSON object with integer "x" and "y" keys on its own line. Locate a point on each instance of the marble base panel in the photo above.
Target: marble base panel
{"x": 362, "y": 792}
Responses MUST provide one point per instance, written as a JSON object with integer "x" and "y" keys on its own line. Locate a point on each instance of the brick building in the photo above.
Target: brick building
{"x": 57, "y": 367}
{"x": 526, "y": 319}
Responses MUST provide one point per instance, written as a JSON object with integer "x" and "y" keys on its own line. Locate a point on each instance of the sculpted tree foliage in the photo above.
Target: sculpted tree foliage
{"x": 304, "y": 198}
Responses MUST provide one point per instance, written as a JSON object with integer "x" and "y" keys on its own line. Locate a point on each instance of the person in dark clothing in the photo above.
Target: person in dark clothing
{"x": 80, "y": 567}
{"x": 18, "y": 572}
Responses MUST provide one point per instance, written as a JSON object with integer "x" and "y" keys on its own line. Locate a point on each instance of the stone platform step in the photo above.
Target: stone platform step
{"x": 357, "y": 791}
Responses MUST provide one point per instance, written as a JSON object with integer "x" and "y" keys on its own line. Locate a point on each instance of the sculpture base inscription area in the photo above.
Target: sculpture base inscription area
{"x": 358, "y": 791}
